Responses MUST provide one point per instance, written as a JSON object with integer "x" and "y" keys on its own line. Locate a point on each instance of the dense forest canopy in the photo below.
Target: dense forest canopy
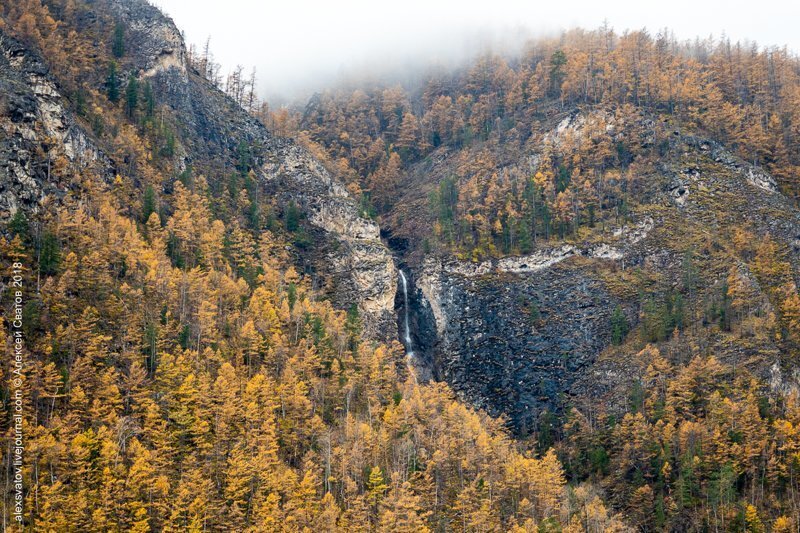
{"x": 184, "y": 376}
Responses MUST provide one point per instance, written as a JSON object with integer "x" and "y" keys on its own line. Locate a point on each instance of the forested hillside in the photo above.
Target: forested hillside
{"x": 180, "y": 375}
{"x": 601, "y": 240}
{"x": 487, "y": 117}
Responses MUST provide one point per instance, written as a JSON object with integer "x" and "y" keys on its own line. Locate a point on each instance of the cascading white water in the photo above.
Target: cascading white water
{"x": 406, "y": 325}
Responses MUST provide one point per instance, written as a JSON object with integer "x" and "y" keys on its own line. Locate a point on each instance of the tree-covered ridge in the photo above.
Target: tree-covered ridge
{"x": 638, "y": 89}
{"x": 571, "y": 141}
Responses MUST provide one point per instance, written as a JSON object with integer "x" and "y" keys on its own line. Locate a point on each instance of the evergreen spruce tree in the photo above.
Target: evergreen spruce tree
{"x": 112, "y": 83}
{"x": 131, "y": 96}
{"x": 619, "y": 326}
{"x": 118, "y": 43}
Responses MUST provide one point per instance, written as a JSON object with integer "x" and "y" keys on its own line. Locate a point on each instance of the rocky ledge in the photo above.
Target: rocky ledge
{"x": 36, "y": 129}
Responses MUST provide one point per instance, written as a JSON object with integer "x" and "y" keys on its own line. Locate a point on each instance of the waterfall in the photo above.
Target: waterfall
{"x": 406, "y": 325}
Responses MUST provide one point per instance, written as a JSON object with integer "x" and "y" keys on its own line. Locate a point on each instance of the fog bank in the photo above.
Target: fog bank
{"x": 302, "y": 46}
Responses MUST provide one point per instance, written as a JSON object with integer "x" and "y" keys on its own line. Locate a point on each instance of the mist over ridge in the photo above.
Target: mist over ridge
{"x": 302, "y": 47}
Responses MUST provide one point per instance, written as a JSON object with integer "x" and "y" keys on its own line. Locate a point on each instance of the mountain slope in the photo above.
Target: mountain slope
{"x": 543, "y": 319}
{"x": 600, "y": 236}
{"x": 560, "y": 207}
{"x": 180, "y": 375}
{"x": 591, "y": 258}
{"x": 211, "y": 130}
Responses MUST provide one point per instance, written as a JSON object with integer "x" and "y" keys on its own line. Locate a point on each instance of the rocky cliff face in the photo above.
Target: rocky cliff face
{"x": 512, "y": 335}
{"x": 514, "y": 343}
{"x": 35, "y": 120}
{"x": 347, "y": 252}
{"x": 155, "y": 41}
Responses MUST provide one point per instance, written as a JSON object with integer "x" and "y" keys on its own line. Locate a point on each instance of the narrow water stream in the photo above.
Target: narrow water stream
{"x": 406, "y": 325}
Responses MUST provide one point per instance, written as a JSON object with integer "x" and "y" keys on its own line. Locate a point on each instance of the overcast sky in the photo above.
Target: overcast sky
{"x": 298, "y": 46}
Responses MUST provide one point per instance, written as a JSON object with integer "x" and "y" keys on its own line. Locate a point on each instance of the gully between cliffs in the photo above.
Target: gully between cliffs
{"x": 406, "y": 322}
{"x": 511, "y": 341}
{"x": 416, "y": 327}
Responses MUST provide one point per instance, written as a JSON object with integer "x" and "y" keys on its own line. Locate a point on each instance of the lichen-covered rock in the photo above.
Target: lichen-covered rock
{"x": 514, "y": 343}
{"x": 152, "y": 40}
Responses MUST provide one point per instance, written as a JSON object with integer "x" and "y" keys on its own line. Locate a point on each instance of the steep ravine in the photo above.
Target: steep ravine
{"x": 511, "y": 335}
{"x": 513, "y": 342}
{"x": 415, "y": 326}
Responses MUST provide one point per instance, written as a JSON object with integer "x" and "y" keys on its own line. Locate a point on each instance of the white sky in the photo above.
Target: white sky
{"x": 298, "y": 46}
